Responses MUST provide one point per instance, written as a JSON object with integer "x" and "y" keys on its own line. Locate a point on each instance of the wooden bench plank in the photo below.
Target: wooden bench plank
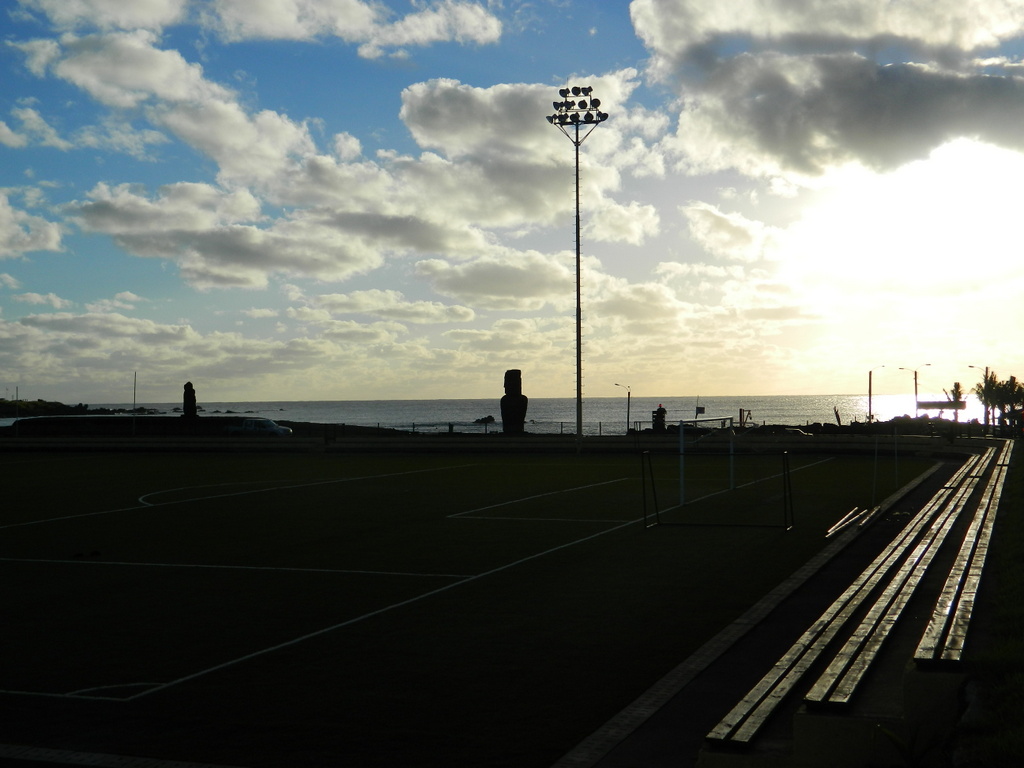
{"x": 743, "y": 722}
{"x": 838, "y": 683}
{"x": 944, "y": 637}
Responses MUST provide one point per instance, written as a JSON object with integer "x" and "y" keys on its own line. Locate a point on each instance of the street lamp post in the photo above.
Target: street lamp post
{"x": 578, "y": 109}
{"x": 628, "y": 394}
{"x": 870, "y": 415}
{"x": 915, "y": 386}
{"x": 984, "y": 384}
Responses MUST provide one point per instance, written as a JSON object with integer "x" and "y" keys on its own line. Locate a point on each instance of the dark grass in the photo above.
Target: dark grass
{"x": 375, "y": 610}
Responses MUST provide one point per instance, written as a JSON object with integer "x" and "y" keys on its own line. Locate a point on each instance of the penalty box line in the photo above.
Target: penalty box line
{"x": 471, "y": 513}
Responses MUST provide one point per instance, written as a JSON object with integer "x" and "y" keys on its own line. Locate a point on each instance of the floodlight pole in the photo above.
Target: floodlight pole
{"x": 579, "y": 299}
{"x": 569, "y": 112}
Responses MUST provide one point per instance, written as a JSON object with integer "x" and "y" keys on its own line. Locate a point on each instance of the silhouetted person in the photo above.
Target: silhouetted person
{"x": 513, "y": 404}
{"x": 189, "y": 405}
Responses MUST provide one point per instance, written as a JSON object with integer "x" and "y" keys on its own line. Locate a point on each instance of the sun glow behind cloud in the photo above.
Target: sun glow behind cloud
{"x": 933, "y": 228}
{"x": 912, "y": 257}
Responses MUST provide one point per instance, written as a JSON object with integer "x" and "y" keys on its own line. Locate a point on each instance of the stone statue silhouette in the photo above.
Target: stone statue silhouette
{"x": 513, "y": 404}
{"x": 189, "y": 404}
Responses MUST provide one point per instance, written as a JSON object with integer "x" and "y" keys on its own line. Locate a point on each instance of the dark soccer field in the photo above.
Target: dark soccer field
{"x": 326, "y": 610}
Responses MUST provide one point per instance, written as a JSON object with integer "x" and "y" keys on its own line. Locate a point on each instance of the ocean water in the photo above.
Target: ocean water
{"x": 601, "y": 415}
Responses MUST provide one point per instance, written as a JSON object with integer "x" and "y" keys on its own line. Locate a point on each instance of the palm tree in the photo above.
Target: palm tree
{"x": 956, "y": 396}
{"x": 1010, "y": 395}
{"x": 986, "y": 391}
{"x": 1003, "y": 396}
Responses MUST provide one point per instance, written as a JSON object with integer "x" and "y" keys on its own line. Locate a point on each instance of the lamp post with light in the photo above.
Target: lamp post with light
{"x": 628, "y": 394}
{"x": 870, "y": 415}
{"x": 577, "y": 110}
{"x": 915, "y": 386}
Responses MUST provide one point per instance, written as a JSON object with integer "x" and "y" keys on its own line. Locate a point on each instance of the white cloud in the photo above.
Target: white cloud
{"x": 146, "y": 14}
{"x": 119, "y": 136}
{"x": 9, "y": 281}
{"x": 505, "y": 166}
{"x": 354, "y": 21}
{"x": 239, "y": 20}
{"x": 496, "y": 175}
{"x": 182, "y": 207}
{"x": 88, "y": 353}
{"x": 209, "y": 234}
{"x": 347, "y": 147}
{"x": 730, "y": 236}
{"x": 51, "y": 299}
{"x": 632, "y": 223}
{"x": 21, "y": 232}
{"x": 257, "y": 313}
{"x": 781, "y": 88}
{"x": 125, "y": 69}
{"x": 10, "y": 138}
{"x": 33, "y": 124}
{"x": 695, "y": 31}
{"x": 392, "y": 305}
{"x": 448, "y": 20}
{"x": 502, "y": 280}
{"x": 39, "y": 54}
{"x": 781, "y": 114}
{"x": 637, "y": 310}
{"x": 257, "y": 149}
{"x": 122, "y": 301}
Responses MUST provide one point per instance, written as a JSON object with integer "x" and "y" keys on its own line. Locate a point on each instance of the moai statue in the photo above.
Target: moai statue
{"x": 513, "y": 404}
{"x": 189, "y": 404}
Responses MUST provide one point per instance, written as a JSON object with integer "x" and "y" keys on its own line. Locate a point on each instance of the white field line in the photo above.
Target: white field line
{"x": 472, "y": 512}
{"x": 87, "y": 561}
{"x": 96, "y": 759}
{"x": 377, "y": 612}
{"x": 144, "y": 505}
{"x": 548, "y": 519}
{"x": 747, "y": 485}
{"x": 152, "y": 688}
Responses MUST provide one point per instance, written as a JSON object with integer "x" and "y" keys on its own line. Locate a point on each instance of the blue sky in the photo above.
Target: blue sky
{"x": 341, "y": 199}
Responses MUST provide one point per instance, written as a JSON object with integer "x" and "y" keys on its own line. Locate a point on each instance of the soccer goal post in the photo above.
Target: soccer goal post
{"x": 694, "y": 424}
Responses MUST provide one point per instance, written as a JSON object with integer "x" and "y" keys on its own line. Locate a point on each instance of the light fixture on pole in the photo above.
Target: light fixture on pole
{"x": 628, "y": 395}
{"x": 915, "y": 385}
{"x": 577, "y": 109}
{"x": 870, "y": 415}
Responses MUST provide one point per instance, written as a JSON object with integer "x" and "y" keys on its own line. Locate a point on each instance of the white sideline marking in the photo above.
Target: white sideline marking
{"x": 142, "y": 499}
{"x": 377, "y": 612}
{"x": 531, "y": 498}
{"x": 549, "y": 519}
{"x": 66, "y": 757}
{"x": 350, "y": 571}
{"x": 145, "y": 505}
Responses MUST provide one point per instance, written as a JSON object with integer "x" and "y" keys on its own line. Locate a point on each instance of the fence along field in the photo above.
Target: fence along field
{"x": 344, "y": 594}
